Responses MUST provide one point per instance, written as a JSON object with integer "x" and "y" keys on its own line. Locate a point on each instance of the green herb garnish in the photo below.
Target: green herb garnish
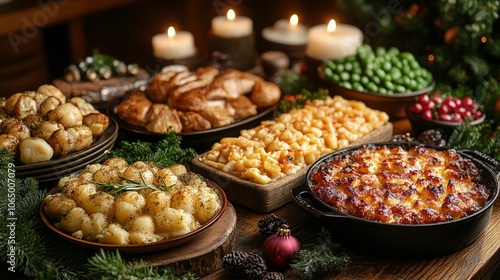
{"x": 129, "y": 185}
{"x": 165, "y": 152}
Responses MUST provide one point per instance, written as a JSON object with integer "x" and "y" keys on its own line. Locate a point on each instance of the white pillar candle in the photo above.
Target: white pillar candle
{"x": 333, "y": 41}
{"x": 232, "y": 26}
{"x": 173, "y": 45}
{"x": 286, "y": 32}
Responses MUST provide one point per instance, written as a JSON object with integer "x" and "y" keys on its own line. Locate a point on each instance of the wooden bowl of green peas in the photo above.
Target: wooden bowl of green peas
{"x": 383, "y": 78}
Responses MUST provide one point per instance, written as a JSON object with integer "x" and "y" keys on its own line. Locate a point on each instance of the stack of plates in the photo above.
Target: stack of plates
{"x": 51, "y": 171}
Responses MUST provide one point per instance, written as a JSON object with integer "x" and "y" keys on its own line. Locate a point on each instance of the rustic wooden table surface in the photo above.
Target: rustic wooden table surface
{"x": 477, "y": 261}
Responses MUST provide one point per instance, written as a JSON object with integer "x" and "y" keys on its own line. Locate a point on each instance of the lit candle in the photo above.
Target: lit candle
{"x": 333, "y": 41}
{"x": 232, "y": 26}
{"x": 173, "y": 45}
{"x": 234, "y": 35}
{"x": 286, "y": 32}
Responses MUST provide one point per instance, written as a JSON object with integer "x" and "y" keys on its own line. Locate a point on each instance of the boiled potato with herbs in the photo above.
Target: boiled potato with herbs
{"x": 114, "y": 234}
{"x": 72, "y": 221}
{"x": 166, "y": 207}
{"x": 93, "y": 225}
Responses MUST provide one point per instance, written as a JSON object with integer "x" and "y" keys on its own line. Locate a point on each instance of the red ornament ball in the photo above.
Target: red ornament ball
{"x": 280, "y": 248}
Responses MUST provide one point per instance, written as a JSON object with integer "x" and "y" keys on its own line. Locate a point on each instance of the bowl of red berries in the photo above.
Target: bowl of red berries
{"x": 437, "y": 111}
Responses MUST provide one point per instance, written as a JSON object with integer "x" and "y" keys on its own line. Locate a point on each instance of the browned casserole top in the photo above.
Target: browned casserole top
{"x": 393, "y": 185}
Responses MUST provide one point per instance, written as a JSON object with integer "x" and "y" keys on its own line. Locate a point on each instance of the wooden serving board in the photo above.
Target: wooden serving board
{"x": 203, "y": 255}
{"x": 268, "y": 197}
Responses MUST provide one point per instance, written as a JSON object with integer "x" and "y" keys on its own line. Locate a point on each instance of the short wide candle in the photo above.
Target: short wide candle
{"x": 173, "y": 45}
{"x": 326, "y": 42}
{"x": 231, "y": 26}
{"x": 286, "y": 32}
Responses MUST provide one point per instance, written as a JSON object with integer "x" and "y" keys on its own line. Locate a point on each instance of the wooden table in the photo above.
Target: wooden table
{"x": 477, "y": 261}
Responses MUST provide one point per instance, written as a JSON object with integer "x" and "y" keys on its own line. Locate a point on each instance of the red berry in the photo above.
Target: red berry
{"x": 444, "y": 117}
{"x": 416, "y": 108}
{"x": 468, "y": 103}
{"x": 444, "y": 109}
{"x": 450, "y": 103}
{"x": 463, "y": 112}
{"x": 427, "y": 114}
{"x": 437, "y": 98}
{"x": 423, "y": 99}
{"x": 478, "y": 114}
{"x": 456, "y": 118}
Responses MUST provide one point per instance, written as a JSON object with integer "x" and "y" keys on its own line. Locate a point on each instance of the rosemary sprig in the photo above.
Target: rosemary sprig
{"x": 129, "y": 185}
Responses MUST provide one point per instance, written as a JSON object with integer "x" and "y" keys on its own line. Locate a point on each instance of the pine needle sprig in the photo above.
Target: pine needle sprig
{"x": 129, "y": 185}
{"x": 109, "y": 265}
{"x": 320, "y": 257}
{"x": 165, "y": 152}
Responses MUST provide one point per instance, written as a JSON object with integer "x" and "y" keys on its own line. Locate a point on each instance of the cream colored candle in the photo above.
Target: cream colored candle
{"x": 333, "y": 41}
{"x": 173, "y": 45}
{"x": 286, "y": 32}
{"x": 232, "y": 26}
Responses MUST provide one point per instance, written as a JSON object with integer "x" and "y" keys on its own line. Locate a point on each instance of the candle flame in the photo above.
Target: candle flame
{"x": 294, "y": 20}
{"x": 332, "y": 25}
{"x": 231, "y": 15}
{"x": 171, "y": 32}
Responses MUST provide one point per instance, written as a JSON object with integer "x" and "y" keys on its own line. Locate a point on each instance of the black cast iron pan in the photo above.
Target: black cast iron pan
{"x": 397, "y": 240}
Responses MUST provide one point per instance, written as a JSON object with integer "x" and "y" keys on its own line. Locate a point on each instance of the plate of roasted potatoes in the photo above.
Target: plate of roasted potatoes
{"x": 203, "y": 105}
{"x": 133, "y": 208}
{"x": 46, "y": 129}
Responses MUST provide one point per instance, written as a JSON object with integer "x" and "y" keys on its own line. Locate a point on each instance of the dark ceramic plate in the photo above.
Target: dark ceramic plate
{"x": 149, "y": 247}
{"x": 197, "y": 138}
{"x": 104, "y": 139}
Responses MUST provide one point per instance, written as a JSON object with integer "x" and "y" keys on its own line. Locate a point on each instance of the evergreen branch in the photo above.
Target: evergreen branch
{"x": 165, "y": 152}
{"x": 293, "y": 83}
{"x": 320, "y": 257}
{"x": 108, "y": 265}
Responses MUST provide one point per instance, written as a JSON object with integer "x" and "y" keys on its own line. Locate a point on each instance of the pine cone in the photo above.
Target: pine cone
{"x": 432, "y": 137}
{"x": 233, "y": 262}
{"x": 254, "y": 267}
{"x": 270, "y": 225}
{"x": 402, "y": 138}
{"x": 273, "y": 276}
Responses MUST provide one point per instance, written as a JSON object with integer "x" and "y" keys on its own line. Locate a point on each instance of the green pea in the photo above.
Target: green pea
{"x": 400, "y": 88}
{"x": 364, "y": 80}
{"x": 330, "y": 64}
{"x": 380, "y": 73}
{"x": 345, "y": 76}
{"x": 379, "y": 51}
{"x": 328, "y": 72}
{"x": 357, "y": 86}
{"x": 387, "y": 65}
{"x": 395, "y": 74}
{"x": 393, "y": 51}
{"x": 370, "y": 73}
{"x": 376, "y": 80}
{"x": 407, "y": 55}
{"x": 348, "y": 66}
{"x": 355, "y": 77}
{"x": 389, "y": 85}
{"x": 346, "y": 85}
{"x": 340, "y": 68}
{"x": 372, "y": 87}
{"x": 335, "y": 77}
{"x": 383, "y": 90}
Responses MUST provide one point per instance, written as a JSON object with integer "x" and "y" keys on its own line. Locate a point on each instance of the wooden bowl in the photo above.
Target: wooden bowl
{"x": 393, "y": 104}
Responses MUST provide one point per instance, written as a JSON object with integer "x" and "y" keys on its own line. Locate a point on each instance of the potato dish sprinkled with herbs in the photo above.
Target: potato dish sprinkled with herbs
{"x": 120, "y": 203}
